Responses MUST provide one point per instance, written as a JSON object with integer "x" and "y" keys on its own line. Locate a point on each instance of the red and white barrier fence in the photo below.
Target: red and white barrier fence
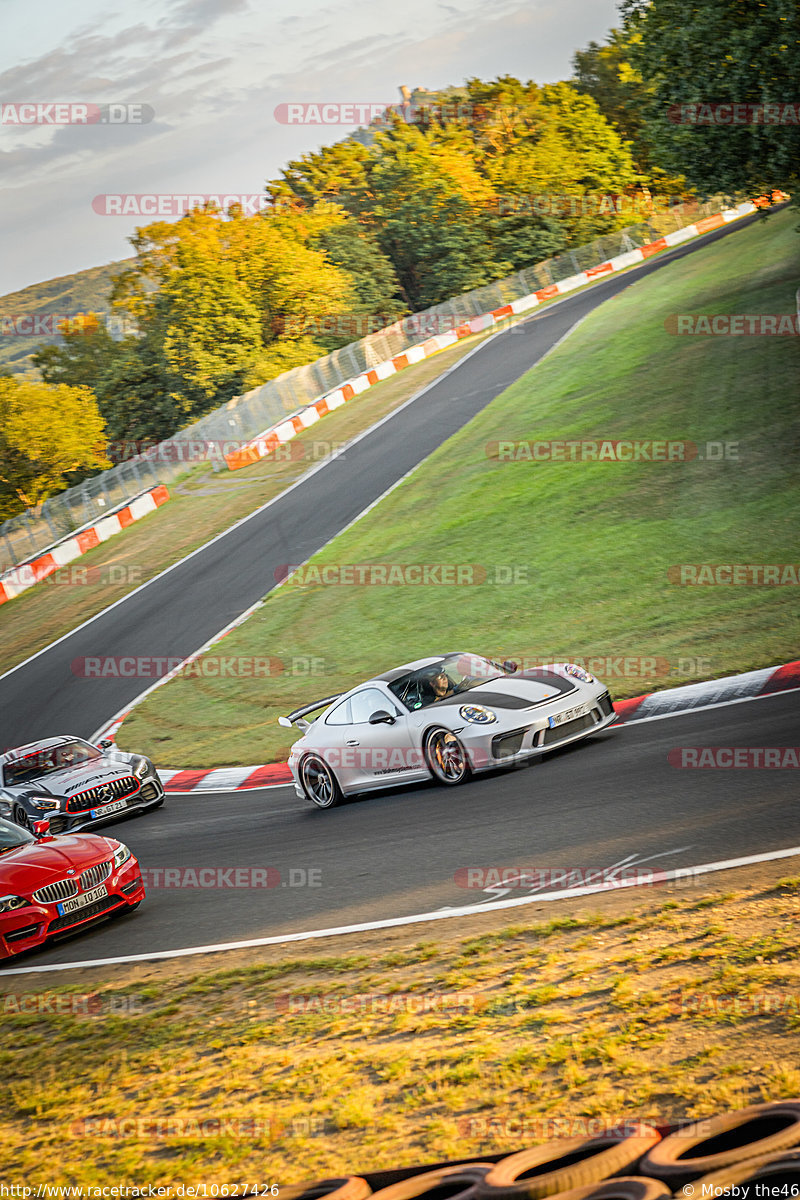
{"x": 25, "y": 575}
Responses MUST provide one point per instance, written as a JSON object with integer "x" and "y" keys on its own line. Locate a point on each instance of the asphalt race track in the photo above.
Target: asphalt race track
{"x": 611, "y": 798}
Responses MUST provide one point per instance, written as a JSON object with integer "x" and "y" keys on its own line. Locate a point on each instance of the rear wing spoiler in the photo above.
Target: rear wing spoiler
{"x": 296, "y": 717}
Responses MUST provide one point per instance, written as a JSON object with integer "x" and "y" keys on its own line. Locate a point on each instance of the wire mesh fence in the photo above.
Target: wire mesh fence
{"x": 245, "y": 417}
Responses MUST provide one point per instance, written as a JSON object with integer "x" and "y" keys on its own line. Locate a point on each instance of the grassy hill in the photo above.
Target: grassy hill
{"x": 85, "y": 291}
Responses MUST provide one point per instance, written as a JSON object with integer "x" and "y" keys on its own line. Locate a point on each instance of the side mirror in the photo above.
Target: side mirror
{"x": 106, "y": 744}
{"x": 287, "y": 724}
{"x": 381, "y": 718}
{"x": 511, "y": 666}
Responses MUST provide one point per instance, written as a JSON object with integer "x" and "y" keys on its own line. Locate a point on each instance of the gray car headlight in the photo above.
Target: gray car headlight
{"x": 46, "y": 802}
{"x": 121, "y": 855}
{"x": 9, "y": 903}
{"x": 477, "y": 714}
{"x": 141, "y": 770}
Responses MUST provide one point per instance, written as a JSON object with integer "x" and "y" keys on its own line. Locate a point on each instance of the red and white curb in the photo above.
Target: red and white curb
{"x": 750, "y": 685}
{"x": 277, "y": 435}
{"x": 21, "y": 577}
{"x": 672, "y": 702}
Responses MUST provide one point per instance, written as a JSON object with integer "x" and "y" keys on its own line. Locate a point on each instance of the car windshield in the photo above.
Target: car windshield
{"x": 47, "y": 760}
{"x": 12, "y": 835}
{"x": 449, "y": 676}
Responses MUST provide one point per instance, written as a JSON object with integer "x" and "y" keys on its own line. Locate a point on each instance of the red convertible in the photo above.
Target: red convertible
{"x": 53, "y": 886}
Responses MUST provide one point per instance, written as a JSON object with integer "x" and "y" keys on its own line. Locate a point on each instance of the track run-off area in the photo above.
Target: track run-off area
{"x": 614, "y": 804}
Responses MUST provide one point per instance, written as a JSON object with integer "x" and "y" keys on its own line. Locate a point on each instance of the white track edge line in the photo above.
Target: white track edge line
{"x": 665, "y": 877}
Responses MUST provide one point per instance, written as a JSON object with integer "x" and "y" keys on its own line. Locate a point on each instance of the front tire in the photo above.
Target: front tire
{"x": 446, "y": 757}
{"x": 20, "y": 817}
{"x": 319, "y": 783}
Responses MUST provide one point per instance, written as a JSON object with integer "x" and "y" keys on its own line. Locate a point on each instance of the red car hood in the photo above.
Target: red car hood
{"x": 26, "y": 868}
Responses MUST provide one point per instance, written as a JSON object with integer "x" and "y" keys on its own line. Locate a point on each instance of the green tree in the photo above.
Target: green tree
{"x": 49, "y": 437}
{"x": 744, "y": 52}
{"x": 431, "y": 206}
{"x": 356, "y": 250}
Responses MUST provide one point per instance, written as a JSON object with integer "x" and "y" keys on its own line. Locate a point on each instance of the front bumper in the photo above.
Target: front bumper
{"x": 32, "y": 926}
{"x": 150, "y": 794}
{"x": 536, "y": 738}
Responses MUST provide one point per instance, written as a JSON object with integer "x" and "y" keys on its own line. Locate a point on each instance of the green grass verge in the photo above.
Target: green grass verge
{"x": 591, "y": 542}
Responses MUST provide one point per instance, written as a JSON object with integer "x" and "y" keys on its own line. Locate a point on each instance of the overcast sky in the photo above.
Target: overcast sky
{"x": 211, "y": 73}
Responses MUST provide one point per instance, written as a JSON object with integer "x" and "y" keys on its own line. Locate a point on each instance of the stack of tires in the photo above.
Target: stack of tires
{"x": 725, "y": 1155}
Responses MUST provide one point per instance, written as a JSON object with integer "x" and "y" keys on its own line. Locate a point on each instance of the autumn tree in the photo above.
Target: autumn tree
{"x": 49, "y": 437}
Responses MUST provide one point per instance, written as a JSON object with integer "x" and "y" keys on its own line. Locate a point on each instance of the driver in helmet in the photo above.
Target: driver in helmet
{"x": 440, "y": 684}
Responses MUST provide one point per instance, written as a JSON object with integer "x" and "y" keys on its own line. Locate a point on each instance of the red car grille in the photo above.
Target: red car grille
{"x": 51, "y": 893}
{"x": 95, "y": 875}
{"x": 104, "y": 793}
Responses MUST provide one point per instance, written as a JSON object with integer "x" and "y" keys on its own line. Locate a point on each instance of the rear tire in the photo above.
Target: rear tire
{"x": 319, "y": 783}
{"x": 446, "y": 757}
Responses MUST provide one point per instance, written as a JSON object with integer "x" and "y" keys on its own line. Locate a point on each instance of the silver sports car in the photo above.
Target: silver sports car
{"x": 442, "y": 717}
{"x": 64, "y": 784}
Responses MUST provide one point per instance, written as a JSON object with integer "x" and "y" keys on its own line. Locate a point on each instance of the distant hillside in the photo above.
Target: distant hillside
{"x": 85, "y": 291}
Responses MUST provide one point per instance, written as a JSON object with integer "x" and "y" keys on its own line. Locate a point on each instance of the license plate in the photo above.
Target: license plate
{"x": 68, "y": 906}
{"x": 115, "y": 806}
{"x": 570, "y": 715}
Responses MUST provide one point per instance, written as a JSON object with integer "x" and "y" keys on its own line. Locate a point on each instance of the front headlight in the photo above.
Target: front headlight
{"x": 9, "y": 903}
{"x": 579, "y": 673}
{"x": 142, "y": 768}
{"x": 46, "y": 802}
{"x": 477, "y": 714}
{"x": 121, "y": 856}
